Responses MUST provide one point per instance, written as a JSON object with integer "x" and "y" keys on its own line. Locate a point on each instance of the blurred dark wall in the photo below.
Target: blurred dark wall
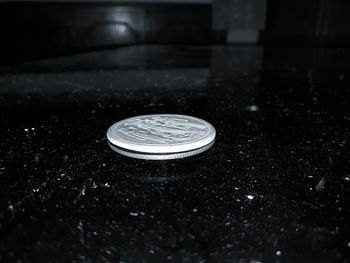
{"x": 239, "y": 21}
{"x": 32, "y": 30}
{"x": 287, "y": 22}
{"x": 308, "y": 23}
{"x": 41, "y": 29}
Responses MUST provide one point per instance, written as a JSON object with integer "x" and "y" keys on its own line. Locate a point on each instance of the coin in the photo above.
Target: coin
{"x": 161, "y": 136}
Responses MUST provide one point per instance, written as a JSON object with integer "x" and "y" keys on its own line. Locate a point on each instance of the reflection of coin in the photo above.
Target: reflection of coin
{"x": 162, "y": 135}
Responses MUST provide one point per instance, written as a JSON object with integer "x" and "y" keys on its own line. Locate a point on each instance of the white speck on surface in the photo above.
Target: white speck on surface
{"x": 80, "y": 226}
{"x": 151, "y": 251}
{"x": 250, "y": 197}
{"x": 320, "y": 184}
{"x": 349, "y": 244}
{"x": 11, "y": 207}
{"x": 195, "y": 210}
{"x": 26, "y": 130}
{"x": 278, "y": 253}
{"x": 252, "y": 108}
{"x": 134, "y": 213}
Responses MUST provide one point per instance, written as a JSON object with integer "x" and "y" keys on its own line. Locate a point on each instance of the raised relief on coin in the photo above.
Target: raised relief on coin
{"x": 163, "y": 129}
{"x": 161, "y": 133}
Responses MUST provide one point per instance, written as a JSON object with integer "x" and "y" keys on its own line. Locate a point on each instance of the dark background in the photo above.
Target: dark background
{"x": 32, "y": 30}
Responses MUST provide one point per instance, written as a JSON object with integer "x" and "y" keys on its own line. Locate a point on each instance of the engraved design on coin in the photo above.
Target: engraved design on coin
{"x": 163, "y": 129}
{"x": 161, "y": 133}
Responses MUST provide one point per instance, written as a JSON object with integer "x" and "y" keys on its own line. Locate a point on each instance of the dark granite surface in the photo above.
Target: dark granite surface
{"x": 275, "y": 187}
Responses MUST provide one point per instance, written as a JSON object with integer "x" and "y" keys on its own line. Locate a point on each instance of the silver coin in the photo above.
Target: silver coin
{"x": 161, "y": 136}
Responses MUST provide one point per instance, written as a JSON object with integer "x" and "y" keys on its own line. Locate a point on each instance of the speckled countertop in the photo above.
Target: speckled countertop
{"x": 275, "y": 187}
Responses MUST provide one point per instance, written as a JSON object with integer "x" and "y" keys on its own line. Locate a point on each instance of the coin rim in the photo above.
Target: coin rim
{"x": 165, "y": 156}
{"x": 149, "y": 148}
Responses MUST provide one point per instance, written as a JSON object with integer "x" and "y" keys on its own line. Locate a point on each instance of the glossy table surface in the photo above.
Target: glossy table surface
{"x": 275, "y": 187}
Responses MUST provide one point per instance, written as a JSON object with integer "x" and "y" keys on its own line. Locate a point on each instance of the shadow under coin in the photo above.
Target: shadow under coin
{"x": 159, "y": 171}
